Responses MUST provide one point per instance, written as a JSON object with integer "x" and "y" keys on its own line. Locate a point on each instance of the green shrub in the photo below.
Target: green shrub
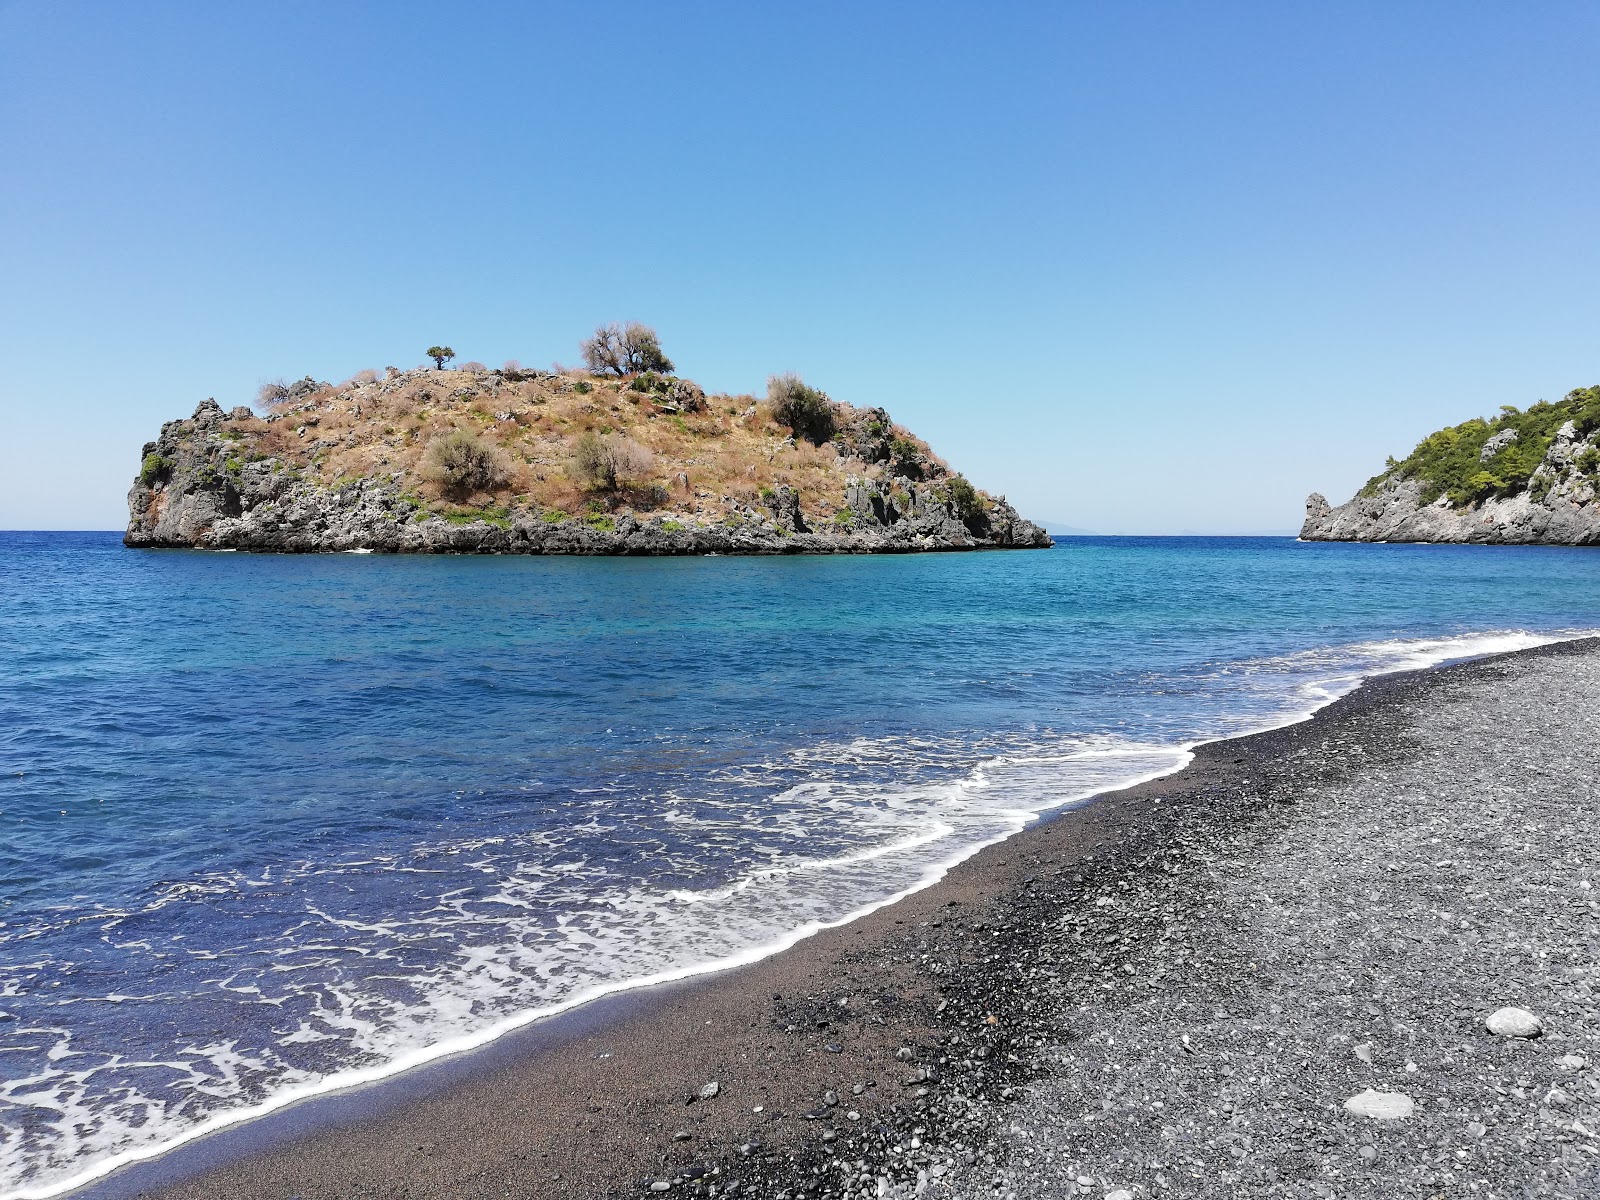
{"x": 153, "y": 468}
{"x": 908, "y": 459}
{"x": 802, "y": 408}
{"x": 964, "y": 498}
{"x": 1449, "y": 462}
{"x": 672, "y": 526}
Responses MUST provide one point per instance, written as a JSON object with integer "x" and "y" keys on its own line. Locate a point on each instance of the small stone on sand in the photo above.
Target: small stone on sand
{"x": 1381, "y": 1106}
{"x": 1514, "y": 1023}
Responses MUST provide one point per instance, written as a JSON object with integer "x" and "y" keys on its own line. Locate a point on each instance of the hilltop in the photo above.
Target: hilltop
{"x": 521, "y": 461}
{"x": 1522, "y": 477}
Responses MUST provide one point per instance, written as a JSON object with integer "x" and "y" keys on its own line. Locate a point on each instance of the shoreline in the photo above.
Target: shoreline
{"x": 576, "y": 1125}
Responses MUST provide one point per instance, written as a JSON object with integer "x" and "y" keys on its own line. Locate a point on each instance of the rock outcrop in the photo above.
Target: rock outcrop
{"x": 294, "y": 480}
{"x": 1473, "y": 483}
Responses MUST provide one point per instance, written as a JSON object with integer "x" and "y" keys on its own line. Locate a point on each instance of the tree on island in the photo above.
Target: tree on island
{"x": 439, "y": 354}
{"x": 625, "y": 350}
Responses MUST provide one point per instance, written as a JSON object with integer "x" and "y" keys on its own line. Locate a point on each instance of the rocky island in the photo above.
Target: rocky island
{"x": 621, "y": 458}
{"x": 1520, "y": 478}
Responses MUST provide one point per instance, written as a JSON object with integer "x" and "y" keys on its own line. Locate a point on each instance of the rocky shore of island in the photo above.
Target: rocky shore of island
{"x": 547, "y": 464}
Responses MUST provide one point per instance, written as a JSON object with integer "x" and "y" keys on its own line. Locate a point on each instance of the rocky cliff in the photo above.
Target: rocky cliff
{"x": 1528, "y": 477}
{"x": 555, "y": 463}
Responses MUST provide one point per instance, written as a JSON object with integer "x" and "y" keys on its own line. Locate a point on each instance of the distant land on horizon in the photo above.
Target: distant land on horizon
{"x": 1062, "y": 529}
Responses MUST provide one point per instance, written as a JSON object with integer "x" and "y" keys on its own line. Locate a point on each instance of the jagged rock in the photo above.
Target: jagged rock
{"x": 686, "y": 395}
{"x": 1496, "y": 444}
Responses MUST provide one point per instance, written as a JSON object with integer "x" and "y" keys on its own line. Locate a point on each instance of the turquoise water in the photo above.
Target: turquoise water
{"x": 271, "y": 824}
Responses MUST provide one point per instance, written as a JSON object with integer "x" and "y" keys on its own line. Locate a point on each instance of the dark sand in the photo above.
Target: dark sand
{"x": 909, "y": 1016}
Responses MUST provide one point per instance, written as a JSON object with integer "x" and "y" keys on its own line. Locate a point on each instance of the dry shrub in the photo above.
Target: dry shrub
{"x": 802, "y": 408}
{"x": 360, "y": 379}
{"x": 608, "y": 461}
{"x": 625, "y": 350}
{"x": 272, "y": 393}
{"x": 476, "y": 368}
{"x": 460, "y": 462}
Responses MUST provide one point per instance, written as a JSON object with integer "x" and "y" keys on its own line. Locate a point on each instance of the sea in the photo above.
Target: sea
{"x": 272, "y": 826}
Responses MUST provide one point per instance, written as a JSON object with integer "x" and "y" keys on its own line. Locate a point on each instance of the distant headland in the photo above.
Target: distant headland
{"x": 1520, "y": 478}
{"x": 620, "y": 457}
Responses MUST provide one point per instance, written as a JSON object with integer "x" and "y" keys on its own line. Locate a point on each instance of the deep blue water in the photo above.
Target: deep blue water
{"x": 265, "y": 821}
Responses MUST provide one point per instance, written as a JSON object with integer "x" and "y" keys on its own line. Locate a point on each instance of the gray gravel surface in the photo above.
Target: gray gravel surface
{"x": 1187, "y": 1013}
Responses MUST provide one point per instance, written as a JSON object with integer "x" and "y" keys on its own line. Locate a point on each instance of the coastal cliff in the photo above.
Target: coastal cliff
{"x": 530, "y": 462}
{"x": 1521, "y": 478}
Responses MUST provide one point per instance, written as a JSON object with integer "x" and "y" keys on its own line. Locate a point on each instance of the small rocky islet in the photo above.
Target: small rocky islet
{"x": 515, "y": 461}
{"x": 1523, "y": 477}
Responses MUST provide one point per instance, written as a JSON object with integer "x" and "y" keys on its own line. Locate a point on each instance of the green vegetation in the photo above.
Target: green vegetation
{"x": 1449, "y": 462}
{"x": 602, "y": 521}
{"x": 153, "y": 468}
{"x": 964, "y": 499}
{"x": 496, "y": 515}
{"x": 672, "y": 526}
{"x": 440, "y": 355}
{"x": 907, "y": 457}
{"x": 801, "y": 407}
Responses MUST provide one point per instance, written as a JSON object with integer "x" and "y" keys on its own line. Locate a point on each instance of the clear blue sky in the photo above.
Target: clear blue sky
{"x": 1143, "y": 267}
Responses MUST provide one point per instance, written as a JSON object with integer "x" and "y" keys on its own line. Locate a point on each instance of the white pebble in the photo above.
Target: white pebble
{"x": 1514, "y": 1023}
{"x": 1380, "y": 1106}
